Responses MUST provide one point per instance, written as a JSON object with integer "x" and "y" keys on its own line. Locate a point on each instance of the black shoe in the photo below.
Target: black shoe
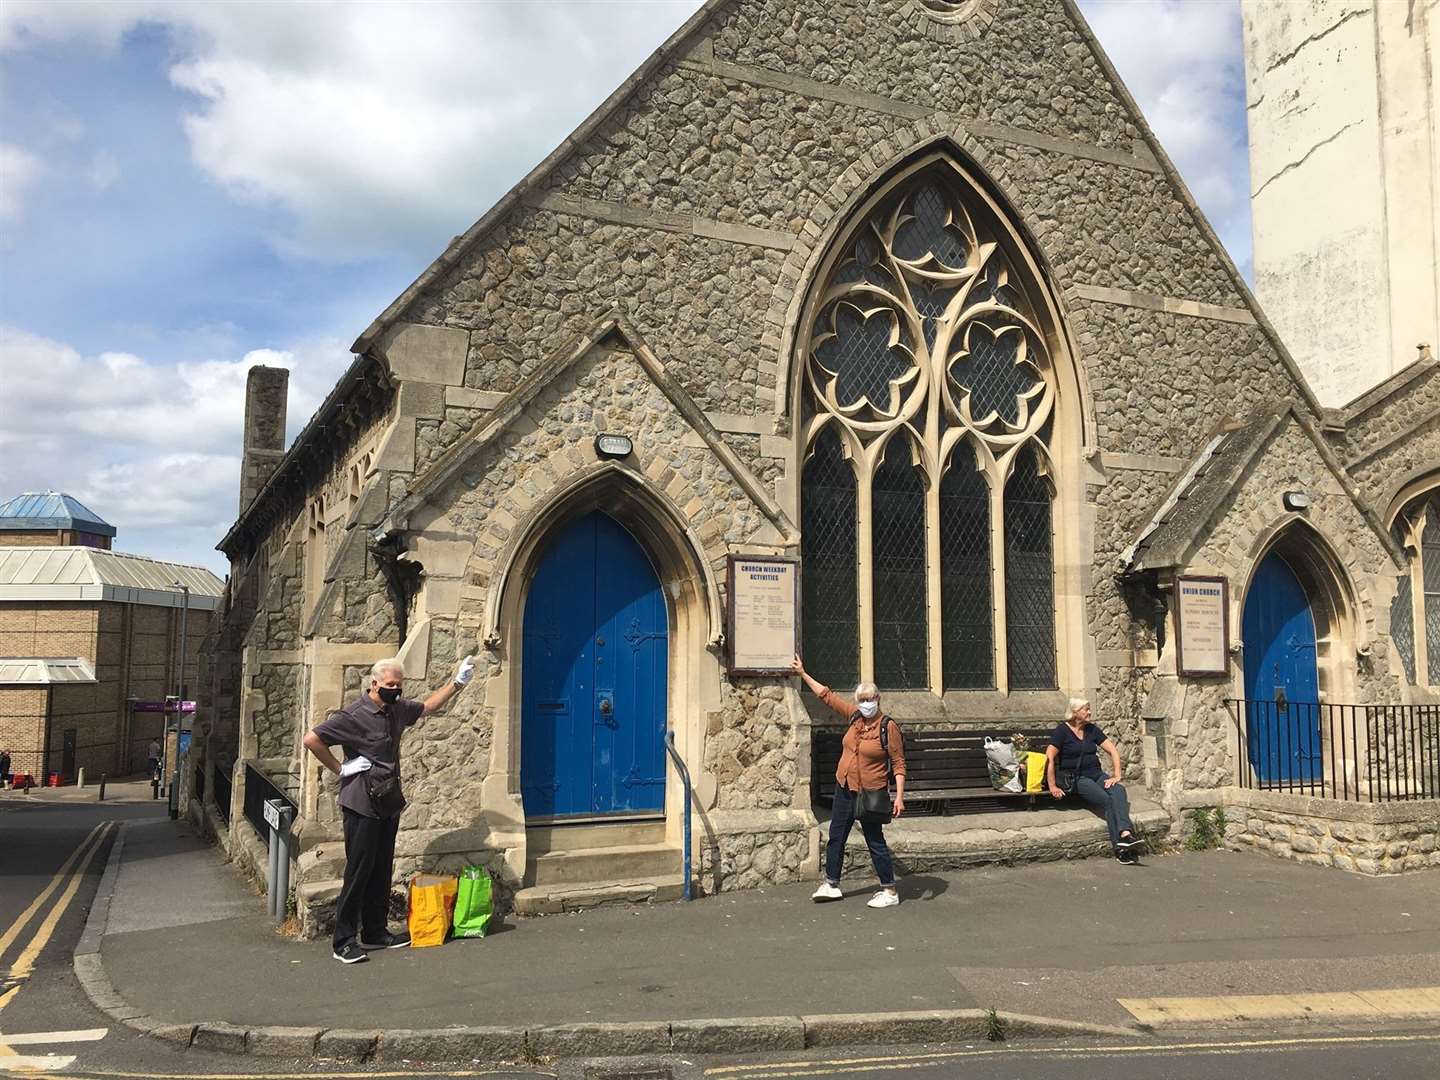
{"x": 1127, "y": 857}
{"x": 1125, "y": 843}
{"x": 350, "y": 953}
{"x": 388, "y": 941}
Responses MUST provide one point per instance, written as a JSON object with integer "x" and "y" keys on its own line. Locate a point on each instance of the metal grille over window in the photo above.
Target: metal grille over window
{"x": 967, "y": 611}
{"x": 828, "y": 601}
{"x": 1029, "y": 578}
{"x": 925, "y": 354}
{"x": 898, "y": 540}
{"x": 1430, "y": 576}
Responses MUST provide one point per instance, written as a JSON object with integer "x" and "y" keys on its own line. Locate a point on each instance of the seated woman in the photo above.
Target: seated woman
{"x": 1074, "y": 750}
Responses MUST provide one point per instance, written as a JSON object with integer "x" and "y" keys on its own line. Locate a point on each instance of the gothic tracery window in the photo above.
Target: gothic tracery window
{"x": 926, "y": 488}
{"x": 1415, "y": 611}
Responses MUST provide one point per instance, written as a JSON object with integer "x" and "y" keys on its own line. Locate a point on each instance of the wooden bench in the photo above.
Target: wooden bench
{"x": 945, "y": 770}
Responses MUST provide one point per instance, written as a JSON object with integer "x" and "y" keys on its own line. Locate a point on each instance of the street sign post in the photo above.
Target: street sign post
{"x": 277, "y": 879}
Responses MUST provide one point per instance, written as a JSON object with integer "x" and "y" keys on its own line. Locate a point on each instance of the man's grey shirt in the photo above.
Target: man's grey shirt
{"x": 372, "y": 731}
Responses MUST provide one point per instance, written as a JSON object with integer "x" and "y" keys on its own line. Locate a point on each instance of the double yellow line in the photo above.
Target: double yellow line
{"x": 70, "y": 876}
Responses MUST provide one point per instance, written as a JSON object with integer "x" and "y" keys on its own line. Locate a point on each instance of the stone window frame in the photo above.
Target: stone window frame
{"x": 1060, "y": 452}
{"x": 1419, "y": 514}
{"x": 950, "y": 20}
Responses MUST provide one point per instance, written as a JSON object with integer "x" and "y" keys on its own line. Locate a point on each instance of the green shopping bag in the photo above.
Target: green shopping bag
{"x": 474, "y": 902}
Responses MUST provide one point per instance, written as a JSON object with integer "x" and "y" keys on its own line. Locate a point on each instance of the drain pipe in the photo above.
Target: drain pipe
{"x": 685, "y": 780}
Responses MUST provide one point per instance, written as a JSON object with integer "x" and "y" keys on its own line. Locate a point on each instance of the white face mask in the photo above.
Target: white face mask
{"x": 868, "y": 709}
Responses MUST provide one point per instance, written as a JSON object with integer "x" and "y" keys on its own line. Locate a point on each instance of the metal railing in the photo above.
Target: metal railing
{"x": 1354, "y": 753}
{"x": 687, "y": 889}
{"x": 221, "y": 777}
{"x": 258, "y": 788}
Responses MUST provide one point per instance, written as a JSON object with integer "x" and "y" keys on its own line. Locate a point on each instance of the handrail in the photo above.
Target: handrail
{"x": 685, "y": 780}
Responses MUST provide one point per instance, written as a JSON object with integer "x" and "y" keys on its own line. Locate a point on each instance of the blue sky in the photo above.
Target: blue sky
{"x": 187, "y": 189}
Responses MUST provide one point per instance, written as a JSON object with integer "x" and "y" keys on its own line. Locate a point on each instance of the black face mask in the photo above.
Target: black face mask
{"x": 389, "y": 694}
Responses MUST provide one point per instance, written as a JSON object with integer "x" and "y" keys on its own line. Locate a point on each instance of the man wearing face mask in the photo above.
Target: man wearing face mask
{"x": 370, "y": 800}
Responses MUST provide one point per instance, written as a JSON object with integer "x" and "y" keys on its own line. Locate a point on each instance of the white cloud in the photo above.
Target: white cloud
{"x": 377, "y": 126}
{"x": 104, "y": 170}
{"x": 19, "y": 169}
{"x": 1183, "y": 61}
{"x": 153, "y": 449}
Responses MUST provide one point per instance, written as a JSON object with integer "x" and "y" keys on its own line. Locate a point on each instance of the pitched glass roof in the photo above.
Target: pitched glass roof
{"x": 51, "y": 510}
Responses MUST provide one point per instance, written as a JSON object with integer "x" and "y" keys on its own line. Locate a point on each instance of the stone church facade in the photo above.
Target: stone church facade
{"x": 906, "y": 289}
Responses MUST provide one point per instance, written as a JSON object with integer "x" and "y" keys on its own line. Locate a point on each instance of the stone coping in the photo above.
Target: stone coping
{"x": 1382, "y": 813}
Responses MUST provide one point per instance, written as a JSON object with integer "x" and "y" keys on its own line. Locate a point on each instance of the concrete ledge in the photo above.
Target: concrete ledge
{"x": 452, "y": 1044}
{"x": 339, "y": 1044}
{"x": 939, "y": 1025}
{"x": 600, "y": 1040}
{"x": 226, "y": 1038}
{"x": 742, "y": 1036}
{"x": 1381, "y": 813}
{"x": 296, "y": 1042}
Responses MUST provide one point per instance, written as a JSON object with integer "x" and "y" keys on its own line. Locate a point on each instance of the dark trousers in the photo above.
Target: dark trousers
{"x": 364, "y": 903}
{"x": 842, "y": 816}
{"x": 1113, "y": 802}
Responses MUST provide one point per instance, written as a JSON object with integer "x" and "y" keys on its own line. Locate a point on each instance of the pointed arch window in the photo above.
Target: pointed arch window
{"x": 1415, "y": 611}
{"x": 926, "y": 372}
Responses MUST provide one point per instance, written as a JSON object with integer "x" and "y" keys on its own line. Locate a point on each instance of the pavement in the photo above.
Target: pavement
{"x": 127, "y": 791}
{"x": 178, "y": 946}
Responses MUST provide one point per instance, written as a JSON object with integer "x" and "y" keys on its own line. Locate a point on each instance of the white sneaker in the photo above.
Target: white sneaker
{"x": 884, "y": 898}
{"x": 827, "y": 892}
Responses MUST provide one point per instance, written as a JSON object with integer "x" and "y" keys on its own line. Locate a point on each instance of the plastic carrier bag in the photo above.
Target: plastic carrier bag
{"x": 474, "y": 902}
{"x": 432, "y": 900}
{"x": 1034, "y": 772}
{"x": 1004, "y": 768}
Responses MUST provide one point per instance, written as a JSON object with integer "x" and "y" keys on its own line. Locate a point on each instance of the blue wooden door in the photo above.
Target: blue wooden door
{"x": 1281, "y": 686}
{"x": 594, "y": 686}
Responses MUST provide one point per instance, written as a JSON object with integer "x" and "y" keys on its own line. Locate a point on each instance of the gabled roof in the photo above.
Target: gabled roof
{"x": 82, "y": 573}
{"x": 51, "y": 510}
{"x": 494, "y": 423}
{"x": 1194, "y": 500}
{"x": 44, "y": 670}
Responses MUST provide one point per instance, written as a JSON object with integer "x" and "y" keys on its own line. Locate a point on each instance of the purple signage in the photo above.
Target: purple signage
{"x": 162, "y": 706}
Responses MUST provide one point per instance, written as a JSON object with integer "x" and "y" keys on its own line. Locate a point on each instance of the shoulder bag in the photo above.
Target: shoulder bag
{"x": 386, "y": 798}
{"x": 876, "y": 806}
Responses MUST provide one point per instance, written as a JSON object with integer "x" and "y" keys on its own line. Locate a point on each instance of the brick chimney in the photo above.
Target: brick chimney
{"x": 264, "y": 439}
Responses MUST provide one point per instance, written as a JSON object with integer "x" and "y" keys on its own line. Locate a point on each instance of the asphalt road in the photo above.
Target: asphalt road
{"x": 52, "y": 856}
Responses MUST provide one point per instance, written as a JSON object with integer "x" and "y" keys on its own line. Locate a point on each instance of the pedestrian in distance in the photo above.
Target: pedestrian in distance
{"x": 871, "y": 750}
{"x": 152, "y": 760}
{"x": 4, "y": 768}
{"x": 1072, "y": 766}
{"x": 371, "y": 799}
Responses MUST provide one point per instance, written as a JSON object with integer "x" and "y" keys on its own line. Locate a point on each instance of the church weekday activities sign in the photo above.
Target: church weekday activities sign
{"x": 764, "y": 617}
{"x": 1201, "y": 630}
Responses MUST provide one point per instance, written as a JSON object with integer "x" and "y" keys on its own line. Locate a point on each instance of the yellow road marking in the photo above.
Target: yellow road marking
{"x": 26, "y": 963}
{"x": 14, "y": 929}
{"x": 777, "y": 1070}
{"x": 1364, "y": 1004}
{"x": 5, "y": 999}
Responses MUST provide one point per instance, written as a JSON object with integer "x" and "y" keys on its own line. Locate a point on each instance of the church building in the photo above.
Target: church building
{"x": 906, "y": 291}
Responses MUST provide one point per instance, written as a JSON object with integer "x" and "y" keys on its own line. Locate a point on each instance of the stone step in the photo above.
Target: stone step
{"x": 553, "y": 900}
{"x": 623, "y": 862}
{"x": 540, "y": 839}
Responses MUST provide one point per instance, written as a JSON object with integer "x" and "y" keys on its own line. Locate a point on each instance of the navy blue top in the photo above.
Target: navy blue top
{"x": 1077, "y": 753}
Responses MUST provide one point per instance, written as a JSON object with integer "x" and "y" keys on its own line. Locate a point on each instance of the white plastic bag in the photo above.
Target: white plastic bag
{"x": 1004, "y": 766}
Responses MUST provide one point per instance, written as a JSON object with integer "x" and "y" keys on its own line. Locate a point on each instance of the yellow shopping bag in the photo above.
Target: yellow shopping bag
{"x": 1034, "y": 771}
{"x": 432, "y": 902}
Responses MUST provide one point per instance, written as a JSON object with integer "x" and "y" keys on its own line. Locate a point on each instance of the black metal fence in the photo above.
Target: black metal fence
{"x": 221, "y": 776}
{"x": 1355, "y": 753}
{"x": 258, "y": 788}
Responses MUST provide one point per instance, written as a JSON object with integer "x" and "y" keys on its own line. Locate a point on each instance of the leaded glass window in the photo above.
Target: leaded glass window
{"x": 925, "y": 359}
{"x": 830, "y": 631}
{"x": 1415, "y": 612}
{"x": 1402, "y": 625}
{"x": 1430, "y": 578}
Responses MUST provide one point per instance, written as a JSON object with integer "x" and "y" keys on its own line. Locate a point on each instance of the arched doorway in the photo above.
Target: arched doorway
{"x": 1282, "y": 686}
{"x": 593, "y": 701}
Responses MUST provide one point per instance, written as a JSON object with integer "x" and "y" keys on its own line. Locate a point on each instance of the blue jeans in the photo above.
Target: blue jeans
{"x": 1112, "y": 801}
{"x": 842, "y": 816}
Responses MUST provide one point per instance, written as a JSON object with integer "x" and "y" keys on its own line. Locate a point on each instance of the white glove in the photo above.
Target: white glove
{"x": 467, "y": 669}
{"x": 355, "y": 765}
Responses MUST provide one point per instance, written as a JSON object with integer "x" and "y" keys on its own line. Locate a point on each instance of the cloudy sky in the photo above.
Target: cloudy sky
{"x": 187, "y": 189}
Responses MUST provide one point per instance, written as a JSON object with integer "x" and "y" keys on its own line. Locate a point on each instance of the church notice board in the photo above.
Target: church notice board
{"x": 1202, "y": 628}
{"x": 763, "y": 623}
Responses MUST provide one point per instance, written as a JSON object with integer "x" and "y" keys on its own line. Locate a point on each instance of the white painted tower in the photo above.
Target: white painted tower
{"x": 1344, "y": 111}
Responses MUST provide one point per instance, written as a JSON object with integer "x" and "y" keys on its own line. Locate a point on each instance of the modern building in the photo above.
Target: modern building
{"x": 89, "y": 640}
{"x": 906, "y": 290}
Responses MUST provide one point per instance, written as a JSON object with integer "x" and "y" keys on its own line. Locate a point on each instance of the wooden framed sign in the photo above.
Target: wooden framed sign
{"x": 1202, "y": 625}
{"x": 762, "y": 625}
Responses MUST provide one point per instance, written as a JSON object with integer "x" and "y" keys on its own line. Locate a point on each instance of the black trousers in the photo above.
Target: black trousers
{"x": 364, "y": 903}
